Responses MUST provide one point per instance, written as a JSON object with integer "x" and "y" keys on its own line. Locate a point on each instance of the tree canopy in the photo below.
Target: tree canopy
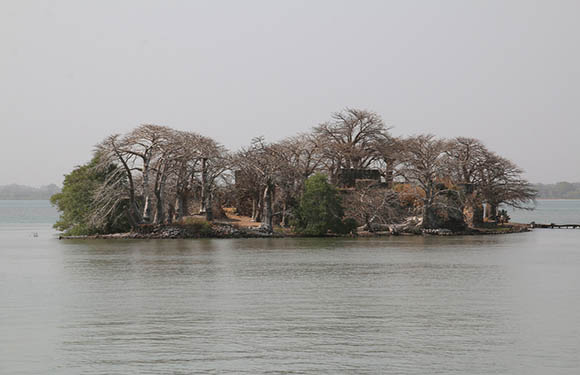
{"x": 349, "y": 165}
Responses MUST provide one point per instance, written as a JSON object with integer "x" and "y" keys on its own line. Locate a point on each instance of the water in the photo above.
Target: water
{"x": 505, "y": 304}
{"x": 558, "y": 211}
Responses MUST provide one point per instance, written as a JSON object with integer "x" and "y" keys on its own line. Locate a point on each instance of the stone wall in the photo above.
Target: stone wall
{"x": 347, "y": 177}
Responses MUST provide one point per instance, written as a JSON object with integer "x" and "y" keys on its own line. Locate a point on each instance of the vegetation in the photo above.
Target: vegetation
{"x": 195, "y": 225}
{"x": 345, "y": 171}
{"x": 76, "y": 202}
{"x": 320, "y": 209}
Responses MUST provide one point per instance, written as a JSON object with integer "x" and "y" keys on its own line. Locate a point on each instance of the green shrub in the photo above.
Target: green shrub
{"x": 75, "y": 203}
{"x": 320, "y": 208}
{"x": 503, "y": 216}
{"x": 348, "y": 226}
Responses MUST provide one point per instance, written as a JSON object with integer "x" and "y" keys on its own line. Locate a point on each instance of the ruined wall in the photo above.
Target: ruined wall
{"x": 347, "y": 177}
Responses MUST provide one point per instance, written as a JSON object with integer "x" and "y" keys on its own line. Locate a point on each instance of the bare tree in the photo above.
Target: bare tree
{"x": 145, "y": 142}
{"x": 266, "y": 162}
{"x": 187, "y": 162}
{"x": 502, "y": 183}
{"x": 214, "y": 162}
{"x": 119, "y": 186}
{"x": 372, "y": 205}
{"x": 465, "y": 161}
{"x": 300, "y": 158}
{"x": 163, "y": 168}
{"x": 352, "y": 139}
{"x": 423, "y": 164}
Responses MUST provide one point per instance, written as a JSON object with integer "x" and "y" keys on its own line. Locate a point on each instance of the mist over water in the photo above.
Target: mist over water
{"x": 507, "y": 304}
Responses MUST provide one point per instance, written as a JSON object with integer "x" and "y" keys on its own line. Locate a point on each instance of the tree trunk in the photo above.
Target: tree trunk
{"x": 132, "y": 217}
{"x": 260, "y": 210}
{"x": 491, "y": 211}
{"x": 170, "y": 213}
{"x": 429, "y": 221}
{"x": 146, "y": 192}
{"x": 204, "y": 197}
{"x": 160, "y": 195}
{"x": 267, "y": 222}
{"x": 135, "y": 217}
{"x": 477, "y": 219}
{"x": 181, "y": 203}
{"x": 159, "y": 212}
{"x": 283, "y": 220}
{"x": 368, "y": 224}
{"x": 257, "y": 208}
{"x": 209, "y": 207}
{"x": 254, "y": 209}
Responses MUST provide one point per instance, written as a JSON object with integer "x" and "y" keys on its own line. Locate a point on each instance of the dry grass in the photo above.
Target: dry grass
{"x": 235, "y": 219}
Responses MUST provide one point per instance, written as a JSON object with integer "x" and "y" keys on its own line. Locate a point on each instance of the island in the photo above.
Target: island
{"x": 347, "y": 176}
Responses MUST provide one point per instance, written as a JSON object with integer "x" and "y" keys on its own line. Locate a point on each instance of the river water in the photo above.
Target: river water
{"x": 506, "y": 304}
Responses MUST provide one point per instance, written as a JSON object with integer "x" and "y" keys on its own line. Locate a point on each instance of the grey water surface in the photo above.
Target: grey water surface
{"x": 507, "y": 304}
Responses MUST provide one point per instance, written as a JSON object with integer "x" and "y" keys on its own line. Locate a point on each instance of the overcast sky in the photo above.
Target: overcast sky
{"x": 73, "y": 72}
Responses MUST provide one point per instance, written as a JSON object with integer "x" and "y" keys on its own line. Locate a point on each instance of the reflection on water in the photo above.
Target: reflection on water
{"x": 403, "y": 305}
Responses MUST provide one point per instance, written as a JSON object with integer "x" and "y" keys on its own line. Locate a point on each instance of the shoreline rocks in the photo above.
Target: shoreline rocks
{"x": 225, "y": 231}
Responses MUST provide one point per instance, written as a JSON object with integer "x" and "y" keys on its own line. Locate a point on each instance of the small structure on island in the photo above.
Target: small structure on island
{"x": 348, "y": 178}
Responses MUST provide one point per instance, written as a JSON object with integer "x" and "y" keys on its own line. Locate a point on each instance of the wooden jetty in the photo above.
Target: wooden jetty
{"x": 554, "y": 226}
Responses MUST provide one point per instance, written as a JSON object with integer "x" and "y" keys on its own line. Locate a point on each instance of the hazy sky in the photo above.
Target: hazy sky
{"x": 72, "y": 72}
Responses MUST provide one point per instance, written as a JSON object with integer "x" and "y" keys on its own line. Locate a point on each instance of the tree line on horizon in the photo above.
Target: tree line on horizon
{"x": 559, "y": 190}
{"x": 23, "y": 192}
{"x": 158, "y": 175}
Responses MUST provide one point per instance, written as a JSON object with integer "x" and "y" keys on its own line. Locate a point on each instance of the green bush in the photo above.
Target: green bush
{"x": 348, "y": 226}
{"x": 75, "y": 203}
{"x": 503, "y": 216}
{"x": 320, "y": 208}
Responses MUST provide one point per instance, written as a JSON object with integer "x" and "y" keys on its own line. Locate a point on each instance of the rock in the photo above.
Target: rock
{"x": 438, "y": 232}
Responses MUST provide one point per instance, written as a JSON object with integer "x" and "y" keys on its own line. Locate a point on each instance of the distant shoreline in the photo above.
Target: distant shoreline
{"x": 24, "y": 192}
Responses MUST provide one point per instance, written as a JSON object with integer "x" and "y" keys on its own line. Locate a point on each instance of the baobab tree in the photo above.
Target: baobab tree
{"x": 301, "y": 159}
{"x": 423, "y": 164}
{"x": 187, "y": 161}
{"x": 465, "y": 161}
{"x": 352, "y": 139}
{"x": 160, "y": 167}
{"x": 146, "y": 142}
{"x": 266, "y": 163}
{"x": 502, "y": 183}
{"x": 120, "y": 185}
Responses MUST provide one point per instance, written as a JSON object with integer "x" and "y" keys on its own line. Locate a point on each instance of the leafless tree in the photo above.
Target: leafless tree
{"x": 120, "y": 185}
{"x": 423, "y": 164}
{"x": 352, "y": 139}
{"x": 145, "y": 142}
{"x": 299, "y": 158}
{"x": 187, "y": 161}
{"x": 372, "y": 205}
{"x": 465, "y": 161}
{"x": 267, "y": 164}
{"x": 502, "y": 183}
{"x": 161, "y": 167}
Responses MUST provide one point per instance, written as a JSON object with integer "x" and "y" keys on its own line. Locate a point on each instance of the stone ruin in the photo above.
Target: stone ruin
{"x": 347, "y": 178}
